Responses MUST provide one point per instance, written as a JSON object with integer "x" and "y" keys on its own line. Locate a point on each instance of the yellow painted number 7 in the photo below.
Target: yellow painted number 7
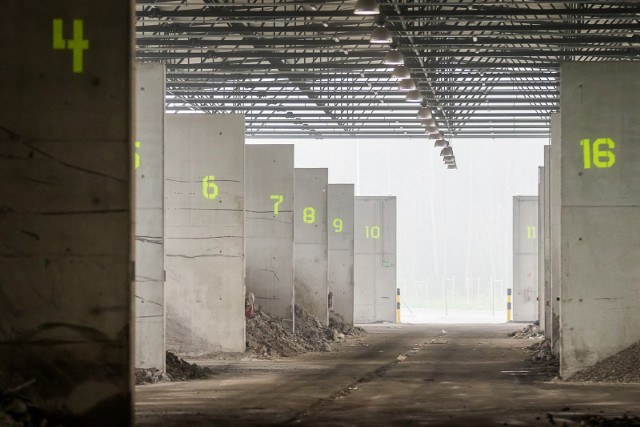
{"x": 278, "y": 199}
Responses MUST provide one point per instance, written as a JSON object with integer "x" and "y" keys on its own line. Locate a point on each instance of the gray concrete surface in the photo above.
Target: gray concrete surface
{"x": 600, "y": 106}
{"x": 310, "y": 241}
{"x": 476, "y": 376}
{"x": 149, "y": 248}
{"x": 542, "y": 230}
{"x": 375, "y": 280}
{"x": 546, "y": 247}
{"x": 525, "y": 258}
{"x": 555, "y": 208}
{"x": 65, "y": 208}
{"x": 269, "y": 229}
{"x": 341, "y": 250}
{"x": 204, "y": 233}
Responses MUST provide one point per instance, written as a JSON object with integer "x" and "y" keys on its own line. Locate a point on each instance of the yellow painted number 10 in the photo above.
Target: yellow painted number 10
{"x": 372, "y": 232}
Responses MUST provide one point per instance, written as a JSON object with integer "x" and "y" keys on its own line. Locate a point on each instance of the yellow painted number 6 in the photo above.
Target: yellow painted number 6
{"x": 209, "y": 187}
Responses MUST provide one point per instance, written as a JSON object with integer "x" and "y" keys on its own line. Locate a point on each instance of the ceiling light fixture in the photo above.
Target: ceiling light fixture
{"x": 414, "y": 96}
{"x": 366, "y": 7}
{"x": 441, "y": 143}
{"x": 394, "y": 57}
{"x": 424, "y": 113}
{"x": 446, "y": 151}
{"x": 401, "y": 72}
{"x": 380, "y": 35}
{"x": 407, "y": 85}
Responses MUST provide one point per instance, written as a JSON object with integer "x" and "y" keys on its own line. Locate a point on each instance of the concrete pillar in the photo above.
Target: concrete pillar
{"x": 65, "y": 207}
{"x": 554, "y": 220}
{"x": 310, "y": 241}
{"x": 149, "y": 166}
{"x": 600, "y": 196}
{"x": 341, "y": 255}
{"x": 269, "y": 229}
{"x": 541, "y": 262}
{"x": 375, "y": 259}
{"x": 525, "y": 258}
{"x": 204, "y": 232}
{"x": 546, "y": 246}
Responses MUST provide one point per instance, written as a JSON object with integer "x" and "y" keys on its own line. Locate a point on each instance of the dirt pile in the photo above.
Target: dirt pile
{"x": 569, "y": 418}
{"x": 267, "y": 338}
{"x": 541, "y": 351}
{"x": 178, "y": 369}
{"x": 531, "y": 331}
{"x": 623, "y": 367}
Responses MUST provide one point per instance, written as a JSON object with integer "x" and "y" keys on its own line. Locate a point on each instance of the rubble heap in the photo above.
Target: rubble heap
{"x": 16, "y": 409}
{"x": 623, "y": 367}
{"x": 541, "y": 351}
{"x": 267, "y": 338}
{"x": 178, "y": 369}
{"x": 531, "y": 331}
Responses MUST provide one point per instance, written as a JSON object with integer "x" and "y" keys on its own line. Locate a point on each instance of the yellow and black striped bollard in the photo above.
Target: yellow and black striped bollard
{"x": 509, "y": 298}
{"x": 398, "y": 305}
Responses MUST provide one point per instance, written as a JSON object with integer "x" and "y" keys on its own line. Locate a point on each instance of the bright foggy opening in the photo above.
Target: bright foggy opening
{"x": 454, "y": 227}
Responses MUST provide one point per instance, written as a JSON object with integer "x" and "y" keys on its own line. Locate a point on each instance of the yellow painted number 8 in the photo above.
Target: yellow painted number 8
{"x": 309, "y": 215}
{"x": 209, "y": 187}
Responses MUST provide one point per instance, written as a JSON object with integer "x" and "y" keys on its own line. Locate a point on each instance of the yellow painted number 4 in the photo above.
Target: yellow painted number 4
{"x": 77, "y": 44}
{"x": 597, "y": 156}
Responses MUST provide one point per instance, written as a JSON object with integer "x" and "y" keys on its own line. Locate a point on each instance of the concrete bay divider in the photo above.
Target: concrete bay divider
{"x": 341, "y": 250}
{"x": 525, "y": 258}
{"x": 310, "y": 241}
{"x": 375, "y": 259}
{"x": 600, "y": 196}
{"x": 204, "y": 232}
{"x": 544, "y": 209}
{"x": 541, "y": 242}
{"x": 149, "y": 167}
{"x": 66, "y": 145}
{"x": 269, "y": 229}
{"x": 555, "y": 207}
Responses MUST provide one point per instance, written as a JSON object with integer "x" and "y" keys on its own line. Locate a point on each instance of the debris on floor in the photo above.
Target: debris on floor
{"x": 267, "y": 338}
{"x": 178, "y": 369}
{"x": 544, "y": 364}
{"x": 581, "y": 419}
{"x": 16, "y": 409}
{"x": 623, "y": 367}
{"x": 541, "y": 351}
{"x": 531, "y": 331}
{"x": 439, "y": 340}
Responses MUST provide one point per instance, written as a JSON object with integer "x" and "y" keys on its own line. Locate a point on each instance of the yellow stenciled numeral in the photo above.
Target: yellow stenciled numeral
{"x": 209, "y": 187}
{"x": 337, "y": 225}
{"x": 137, "y": 156}
{"x": 594, "y": 154}
{"x": 278, "y": 199}
{"x": 372, "y": 232}
{"x": 531, "y": 232}
{"x": 77, "y": 44}
{"x": 309, "y": 215}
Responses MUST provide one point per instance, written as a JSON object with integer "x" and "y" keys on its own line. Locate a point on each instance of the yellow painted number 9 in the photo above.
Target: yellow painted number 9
{"x": 309, "y": 215}
{"x": 209, "y": 187}
{"x": 337, "y": 225}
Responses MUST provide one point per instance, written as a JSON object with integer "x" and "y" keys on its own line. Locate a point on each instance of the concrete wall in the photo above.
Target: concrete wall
{"x": 525, "y": 258}
{"x": 269, "y": 229}
{"x": 600, "y": 211}
{"x": 375, "y": 259}
{"x": 204, "y": 233}
{"x": 554, "y": 220}
{"x": 541, "y": 241}
{"x": 341, "y": 255}
{"x": 546, "y": 246}
{"x": 65, "y": 208}
{"x": 149, "y": 250}
{"x": 310, "y": 237}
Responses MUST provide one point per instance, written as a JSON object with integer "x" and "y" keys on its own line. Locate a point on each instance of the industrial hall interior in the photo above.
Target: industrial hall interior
{"x": 324, "y": 213}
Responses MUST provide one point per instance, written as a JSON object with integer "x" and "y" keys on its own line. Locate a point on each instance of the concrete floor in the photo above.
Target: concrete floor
{"x": 479, "y": 378}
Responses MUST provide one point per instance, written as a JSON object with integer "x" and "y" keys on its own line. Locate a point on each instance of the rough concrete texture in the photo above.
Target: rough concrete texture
{"x": 525, "y": 258}
{"x": 375, "y": 259}
{"x": 623, "y": 367}
{"x": 269, "y": 229}
{"x": 65, "y": 215}
{"x": 341, "y": 252}
{"x": 547, "y": 241}
{"x": 480, "y": 377}
{"x": 149, "y": 166}
{"x": 310, "y": 242}
{"x": 555, "y": 207}
{"x": 204, "y": 233}
{"x": 600, "y": 106}
{"x": 542, "y": 230}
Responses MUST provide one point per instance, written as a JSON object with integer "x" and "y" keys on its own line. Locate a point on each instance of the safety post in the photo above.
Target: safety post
{"x": 509, "y": 314}
{"x": 398, "y": 305}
